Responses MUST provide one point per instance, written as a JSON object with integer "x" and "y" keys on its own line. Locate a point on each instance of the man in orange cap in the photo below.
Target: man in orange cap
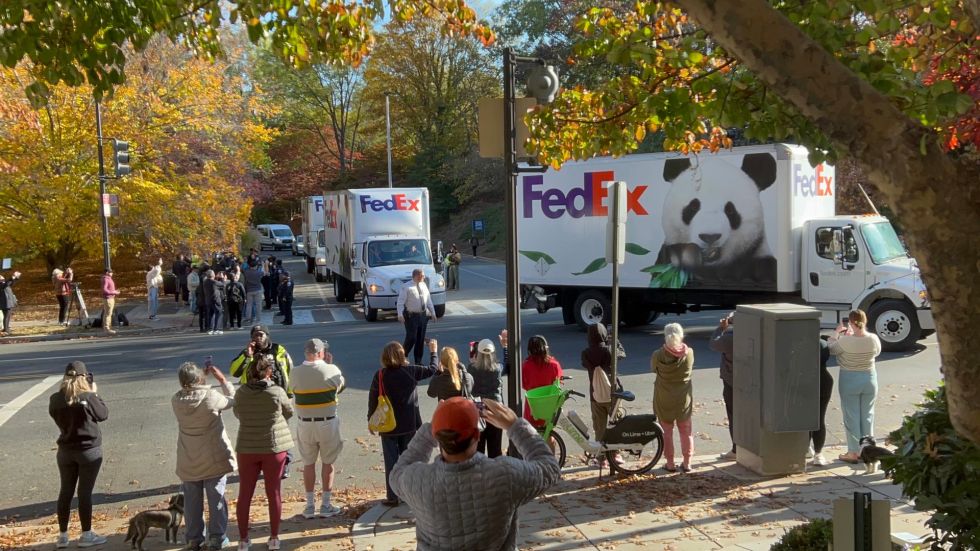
{"x": 463, "y": 499}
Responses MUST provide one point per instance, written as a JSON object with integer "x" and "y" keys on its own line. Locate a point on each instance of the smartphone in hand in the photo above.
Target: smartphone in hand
{"x": 208, "y": 361}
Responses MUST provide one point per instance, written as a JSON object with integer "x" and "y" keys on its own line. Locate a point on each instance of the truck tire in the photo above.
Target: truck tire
{"x": 568, "y": 314}
{"x": 440, "y": 310}
{"x": 311, "y": 266}
{"x": 370, "y": 314}
{"x": 340, "y": 286}
{"x": 319, "y": 278}
{"x": 895, "y": 323}
{"x": 592, "y": 307}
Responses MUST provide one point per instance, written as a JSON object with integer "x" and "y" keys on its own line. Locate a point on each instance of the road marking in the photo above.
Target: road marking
{"x": 75, "y": 357}
{"x": 483, "y": 276}
{"x": 303, "y": 317}
{"x": 456, "y": 308}
{"x": 19, "y": 402}
{"x": 492, "y": 306}
{"x": 341, "y": 314}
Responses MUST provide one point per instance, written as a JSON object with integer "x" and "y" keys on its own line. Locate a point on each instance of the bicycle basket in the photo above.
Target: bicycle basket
{"x": 543, "y": 401}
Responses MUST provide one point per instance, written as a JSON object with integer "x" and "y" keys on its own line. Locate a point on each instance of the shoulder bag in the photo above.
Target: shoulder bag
{"x": 601, "y": 389}
{"x": 383, "y": 418}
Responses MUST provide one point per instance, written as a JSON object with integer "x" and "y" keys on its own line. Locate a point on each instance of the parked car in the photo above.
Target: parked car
{"x": 275, "y": 236}
{"x": 298, "y": 248}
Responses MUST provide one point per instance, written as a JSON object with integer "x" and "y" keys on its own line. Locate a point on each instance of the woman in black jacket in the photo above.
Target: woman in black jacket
{"x": 78, "y": 410}
{"x": 452, "y": 379}
{"x": 486, "y": 372}
{"x": 400, "y": 380}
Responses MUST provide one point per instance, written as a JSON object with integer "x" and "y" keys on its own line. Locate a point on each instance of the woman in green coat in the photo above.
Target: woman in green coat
{"x": 672, "y": 393}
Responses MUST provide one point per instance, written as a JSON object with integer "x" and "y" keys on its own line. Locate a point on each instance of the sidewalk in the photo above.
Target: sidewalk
{"x": 171, "y": 317}
{"x": 721, "y": 505}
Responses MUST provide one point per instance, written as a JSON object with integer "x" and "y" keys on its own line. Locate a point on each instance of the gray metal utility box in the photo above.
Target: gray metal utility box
{"x": 776, "y": 385}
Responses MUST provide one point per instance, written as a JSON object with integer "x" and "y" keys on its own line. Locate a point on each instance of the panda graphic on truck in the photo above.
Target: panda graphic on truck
{"x": 710, "y": 231}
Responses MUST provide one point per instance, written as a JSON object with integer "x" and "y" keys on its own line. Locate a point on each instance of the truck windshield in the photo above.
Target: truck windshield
{"x": 401, "y": 251}
{"x": 883, "y": 242}
{"x": 282, "y": 233}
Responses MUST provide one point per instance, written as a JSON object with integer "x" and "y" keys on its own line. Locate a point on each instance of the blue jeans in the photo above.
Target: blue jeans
{"x": 217, "y": 315}
{"x": 194, "y": 493}
{"x": 858, "y": 390}
{"x": 193, "y": 297}
{"x": 392, "y": 447}
{"x": 153, "y": 301}
{"x": 253, "y": 301}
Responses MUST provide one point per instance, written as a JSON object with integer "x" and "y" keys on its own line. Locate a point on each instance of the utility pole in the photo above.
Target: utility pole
{"x": 102, "y": 192}
{"x": 513, "y": 291}
{"x": 388, "y": 135}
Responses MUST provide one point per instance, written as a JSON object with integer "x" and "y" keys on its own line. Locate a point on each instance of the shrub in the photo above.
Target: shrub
{"x": 815, "y": 535}
{"x": 940, "y": 471}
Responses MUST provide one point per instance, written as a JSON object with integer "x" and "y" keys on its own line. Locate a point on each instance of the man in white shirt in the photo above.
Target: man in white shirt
{"x": 154, "y": 280}
{"x": 414, "y": 310}
{"x": 315, "y": 385}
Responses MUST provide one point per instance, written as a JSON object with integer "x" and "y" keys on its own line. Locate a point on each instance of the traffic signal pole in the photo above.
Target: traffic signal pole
{"x": 102, "y": 191}
{"x": 513, "y": 290}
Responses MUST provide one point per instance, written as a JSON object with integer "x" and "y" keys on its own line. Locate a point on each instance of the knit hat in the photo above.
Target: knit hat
{"x": 259, "y": 329}
{"x": 76, "y": 369}
{"x": 457, "y": 414}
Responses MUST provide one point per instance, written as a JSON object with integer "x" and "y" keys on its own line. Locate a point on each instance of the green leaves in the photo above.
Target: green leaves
{"x": 535, "y": 256}
{"x": 593, "y": 266}
{"x": 638, "y": 250}
{"x": 666, "y": 276}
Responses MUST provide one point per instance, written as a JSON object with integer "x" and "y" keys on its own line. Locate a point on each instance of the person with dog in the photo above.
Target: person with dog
{"x": 204, "y": 454}
{"x": 485, "y": 517}
{"x": 398, "y": 381}
{"x": 317, "y": 383}
{"x": 77, "y": 409}
{"x": 415, "y": 309}
{"x": 263, "y": 409}
{"x": 857, "y": 384}
{"x": 723, "y": 342}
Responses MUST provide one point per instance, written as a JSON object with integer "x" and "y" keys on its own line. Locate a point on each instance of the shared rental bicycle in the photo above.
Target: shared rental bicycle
{"x": 633, "y": 443}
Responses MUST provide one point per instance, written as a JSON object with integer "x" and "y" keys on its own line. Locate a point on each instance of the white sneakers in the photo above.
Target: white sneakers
{"x": 244, "y": 545}
{"x": 310, "y": 511}
{"x": 819, "y": 460}
{"x": 90, "y": 539}
{"x": 327, "y": 511}
{"x": 273, "y": 544}
{"x": 62, "y": 541}
{"x": 727, "y": 456}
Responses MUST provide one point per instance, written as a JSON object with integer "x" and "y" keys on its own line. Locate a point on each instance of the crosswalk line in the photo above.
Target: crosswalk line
{"x": 303, "y": 317}
{"x": 491, "y": 306}
{"x": 341, "y": 314}
{"x": 457, "y": 309}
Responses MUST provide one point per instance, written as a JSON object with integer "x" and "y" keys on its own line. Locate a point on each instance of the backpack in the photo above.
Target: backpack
{"x": 235, "y": 293}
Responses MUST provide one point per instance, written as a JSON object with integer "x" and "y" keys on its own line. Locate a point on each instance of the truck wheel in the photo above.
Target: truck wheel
{"x": 592, "y": 307}
{"x": 638, "y": 315}
{"x": 370, "y": 314}
{"x": 440, "y": 310}
{"x": 310, "y": 266}
{"x": 895, "y": 323}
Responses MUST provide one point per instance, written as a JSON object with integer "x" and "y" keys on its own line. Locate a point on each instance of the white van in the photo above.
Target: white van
{"x": 275, "y": 236}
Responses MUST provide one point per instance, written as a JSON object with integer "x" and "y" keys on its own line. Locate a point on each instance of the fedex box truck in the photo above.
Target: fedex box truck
{"x": 312, "y": 224}
{"x": 374, "y": 239}
{"x": 711, "y": 231}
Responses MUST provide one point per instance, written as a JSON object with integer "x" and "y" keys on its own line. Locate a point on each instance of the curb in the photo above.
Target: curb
{"x": 89, "y": 336}
{"x": 365, "y": 524}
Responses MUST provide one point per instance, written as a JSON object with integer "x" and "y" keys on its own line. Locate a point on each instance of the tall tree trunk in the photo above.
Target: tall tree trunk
{"x": 936, "y": 196}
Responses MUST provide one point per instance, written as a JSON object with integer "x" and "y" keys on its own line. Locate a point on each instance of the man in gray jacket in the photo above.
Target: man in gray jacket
{"x": 465, "y": 500}
{"x": 723, "y": 342}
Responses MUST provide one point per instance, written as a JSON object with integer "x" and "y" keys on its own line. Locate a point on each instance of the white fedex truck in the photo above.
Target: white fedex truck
{"x": 374, "y": 239}
{"x": 312, "y": 247}
{"x": 711, "y": 231}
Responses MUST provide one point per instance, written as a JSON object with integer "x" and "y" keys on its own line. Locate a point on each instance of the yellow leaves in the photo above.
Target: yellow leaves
{"x": 641, "y": 132}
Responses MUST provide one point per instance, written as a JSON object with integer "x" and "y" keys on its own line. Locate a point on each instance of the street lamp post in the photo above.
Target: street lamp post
{"x": 388, "y": 135}
{"x": 544, "y": 87}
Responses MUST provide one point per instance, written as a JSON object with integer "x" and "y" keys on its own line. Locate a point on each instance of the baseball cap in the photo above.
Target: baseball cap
{"x": 259, "y": 329}
{"x": 314, "y": 346}
{"x": 457, "y": 414}
{"x": 76, "y": 369}
{"x": 486, "y": 346}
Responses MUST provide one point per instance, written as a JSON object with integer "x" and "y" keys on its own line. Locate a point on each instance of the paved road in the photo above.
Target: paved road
{"x": 137, "y": 376}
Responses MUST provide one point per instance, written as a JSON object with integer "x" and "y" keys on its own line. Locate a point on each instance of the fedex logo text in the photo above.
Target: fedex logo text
{"x": 812, "y": 185}
{"x": 398, "y": 201}
{"x": 588, "y": 200}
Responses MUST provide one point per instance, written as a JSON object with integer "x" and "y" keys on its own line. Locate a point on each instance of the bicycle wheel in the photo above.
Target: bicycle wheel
{"x": 557, "y": 445}
{"x": 638, "y": 460}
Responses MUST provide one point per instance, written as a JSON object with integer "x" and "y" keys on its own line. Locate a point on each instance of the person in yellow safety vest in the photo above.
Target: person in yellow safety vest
{"x": 260, "y": 345}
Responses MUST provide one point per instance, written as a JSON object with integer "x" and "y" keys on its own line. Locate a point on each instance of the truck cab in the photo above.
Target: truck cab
{"x": 854, "y": 262}
{"x": 318, "y": 252}
{"x": 385, "y": 265}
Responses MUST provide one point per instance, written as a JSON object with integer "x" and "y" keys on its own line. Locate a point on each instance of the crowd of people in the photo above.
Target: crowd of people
{"x": 466, "y": 430}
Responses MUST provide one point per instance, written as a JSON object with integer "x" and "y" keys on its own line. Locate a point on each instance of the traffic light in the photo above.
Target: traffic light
{"x": 120, "y": 157}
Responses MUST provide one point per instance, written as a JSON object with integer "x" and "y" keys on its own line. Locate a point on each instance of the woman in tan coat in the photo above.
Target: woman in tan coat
{"x": 204, "y": 455}
{"x": 262, "y": 408}
{"x": 673, "y": 395}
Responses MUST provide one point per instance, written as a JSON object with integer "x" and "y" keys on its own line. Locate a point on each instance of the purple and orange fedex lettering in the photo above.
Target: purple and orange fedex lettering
{"x": 398, "y": 201}
{"x": 588, "y": 200}
{"x": 815, "y": 185}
